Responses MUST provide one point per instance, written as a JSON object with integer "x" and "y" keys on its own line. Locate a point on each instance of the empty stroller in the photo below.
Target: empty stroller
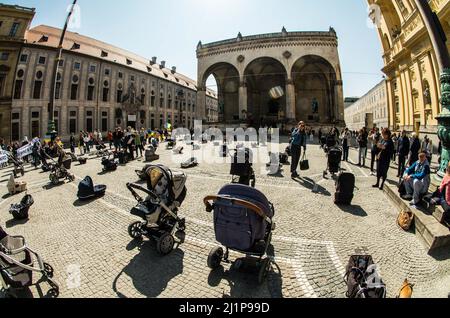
{"x": 87, "y": 190}
{"x": 166, "y": 192}
{"x": 18, "y": 165}
{"x": 242, "y": 168}
{"x": 17, "y": 264}
{"x": 109, "y": 164}
{"x": 61, "y": 171}
{"x": 330, "y": 143}
{"x": 242, "y": 223}
{"x": 20, "y": 211}
{"x": 363, "y": 279}
{"x": 334, "y": 161}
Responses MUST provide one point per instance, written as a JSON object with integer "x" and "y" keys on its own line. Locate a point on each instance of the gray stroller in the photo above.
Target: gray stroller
{"x": 242, "y": 223}
{"x": 17, "y": 264}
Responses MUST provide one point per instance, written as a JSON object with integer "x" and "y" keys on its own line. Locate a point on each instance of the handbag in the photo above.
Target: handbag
{"x": 405, "y": 220}
{"x": 304, "y": 164}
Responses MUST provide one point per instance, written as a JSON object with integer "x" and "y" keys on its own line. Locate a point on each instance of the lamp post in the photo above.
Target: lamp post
{"x": 438, "y": 41}
{"x": 51, "y": 132}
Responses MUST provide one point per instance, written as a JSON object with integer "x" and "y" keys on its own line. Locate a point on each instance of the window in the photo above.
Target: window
{"x": 14, "y": 29}
{"x": 104, "y": 121}
{"x": 120, "y": 75}
{"x": 132, "y": 78}
{"x": 153, "y": 100}
{"x": 92, "y": 68}
{"x": 74, "y": 92}
{"x": 77, "y": 66}
{"x": 44, "y": 38}
{"x": 104, "y": 54}
{"x": 42, "y": 60}
{"x": 119, "y": 96}
{"x": 35, "y": 122}
{"x": 107, "y": 71}
{"x": 61, "y": 63}
{"x": 4, "y": 56}
{"x": 161, "y": 102}
{"x": 15, "y": 130}
{"x": 90, "y": 96}
{"x": 18, "y": 89}
{"x": 37, "y": 89}
{"x": 89, "y": 121}
{"x": 23, "y": 58}
{"x": 129, "y": 62}
{"x": 72, "y": 122}
{"x": 105, "y": 94}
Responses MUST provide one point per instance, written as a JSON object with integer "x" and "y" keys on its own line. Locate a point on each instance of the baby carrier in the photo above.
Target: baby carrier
{"x": 166, "y": 192}
{"x": 362, "y": 278}
{"x": 190, "y": 163}
{"x": 109, "y": 164}
{"x": 17, "y": 264}
{"x": 243, "y": 223}
{"x": 20, "y": 211}
{"x": 242, "y": 168}
{"x": 87, "y": 190}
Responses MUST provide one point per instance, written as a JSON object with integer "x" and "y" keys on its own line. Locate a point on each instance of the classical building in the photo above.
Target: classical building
{"x": 370, "y": 110}
{"x": 98, "y": 86}
{"x": 212, "y": 107}
{"x": 14, "y": 23}
{"x": 274, "y": 78}
{"x": 410, "y": 63}
{"x": 348, "y": 101}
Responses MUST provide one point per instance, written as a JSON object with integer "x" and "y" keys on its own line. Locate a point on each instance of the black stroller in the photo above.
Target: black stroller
{"x": 61, "y": 170}
{"x": 242, "y": 168}
{"x": 18, "y": 165}
{"x": 333, "y": 161}
{"x": 166, "y": 192}
{"x": 20, "y": 211}
{"x": 109, "y": 164}
{"x": 242, "y": 223}
{"x": 87, "y": 190}
{"x": 330, "y": 143}
{"x": 17, "y": 264}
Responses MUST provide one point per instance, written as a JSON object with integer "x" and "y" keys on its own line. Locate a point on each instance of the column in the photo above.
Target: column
{"x": 338, "y": 101}
{"x": 243, "y": 99}
{"x": 290, "y": 101}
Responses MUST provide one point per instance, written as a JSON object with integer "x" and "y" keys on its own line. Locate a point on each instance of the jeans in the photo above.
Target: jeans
{"x": 346, "y": 153}
{"x": 416, "y": 188}
{"x": 296, "y": 154}
{"x": 362, "y": 156}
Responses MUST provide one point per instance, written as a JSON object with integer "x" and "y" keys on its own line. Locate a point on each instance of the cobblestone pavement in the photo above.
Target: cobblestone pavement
{"x": 313, "y": 240}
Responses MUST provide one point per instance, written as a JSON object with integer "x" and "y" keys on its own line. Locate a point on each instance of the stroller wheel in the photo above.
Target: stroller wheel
{"x": 53, "y": 293}
{"x": 71, "y": 177}
{"x": 215, "y": 258}
{"x": 264, "y": 270}
{"x": 49, "y": 271}
{"x": 165, "y": 244}
{"x": 135, "y": 230}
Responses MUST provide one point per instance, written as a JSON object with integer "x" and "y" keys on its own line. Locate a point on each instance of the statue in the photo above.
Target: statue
{"x": 315, "y": 106}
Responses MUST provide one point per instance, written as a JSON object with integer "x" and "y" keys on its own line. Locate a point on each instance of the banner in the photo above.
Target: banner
{"x": 3, "y": 158}
{"x": 25, "y": 151}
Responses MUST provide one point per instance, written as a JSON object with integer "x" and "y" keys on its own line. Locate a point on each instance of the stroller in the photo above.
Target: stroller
{"x": 362, "y": 278}
{"x": 87, "y": 190}
{"x": 18, "y": 165}
{"x": 330, "y": 143}
{"x": 334, "y": 161}
{"x": 166, "y": 192}
{"x": 242, "y": 223}
{"x": 242, "y": 168}
{"x": 61, "y": 170}
{"x": 17, "y": 264}
{"x": 20, "y": 211}
{"x": 109, "y": 164}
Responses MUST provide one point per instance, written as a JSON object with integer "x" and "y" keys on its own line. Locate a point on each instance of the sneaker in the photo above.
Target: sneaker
{"x": 372, "y": 174}
{"x": 376, "y": 186}
{"x": 407, "y": 197}
{"x": 295, "y": 175}
{"x": 412, "y": 204}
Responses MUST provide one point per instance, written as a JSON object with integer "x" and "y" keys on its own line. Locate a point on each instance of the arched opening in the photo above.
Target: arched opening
{"x": 224, "y": 77}
{"x": 314, "y": 80}
{"x": 261, "y": 76}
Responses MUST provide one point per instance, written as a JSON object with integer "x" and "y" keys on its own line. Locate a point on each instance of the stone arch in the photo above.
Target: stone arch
{"x": 260, "y": 76}
{"x": 316, "y": 83}
{"x": 228, "y": 79}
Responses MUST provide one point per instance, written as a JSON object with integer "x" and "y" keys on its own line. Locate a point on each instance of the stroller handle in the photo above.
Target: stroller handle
{"x": 242, "y": 203}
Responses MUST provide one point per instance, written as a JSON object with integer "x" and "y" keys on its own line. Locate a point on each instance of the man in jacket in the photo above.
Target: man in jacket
{"x": 402, "y": 151}
{"x": 417, "y": 180}
{"x": 415, "y": 149}
{"x": 298, "y": 141}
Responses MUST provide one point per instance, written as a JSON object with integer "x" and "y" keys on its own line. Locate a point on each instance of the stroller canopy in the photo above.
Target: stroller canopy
{"x": 86, "y": 189}
{"x": 246, "y": 193}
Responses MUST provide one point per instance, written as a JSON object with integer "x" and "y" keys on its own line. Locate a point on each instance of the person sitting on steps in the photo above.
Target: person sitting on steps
{"x": 417, "y": 180}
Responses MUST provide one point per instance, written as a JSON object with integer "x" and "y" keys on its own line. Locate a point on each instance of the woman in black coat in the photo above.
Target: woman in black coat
{"x": 415, "y": 148}
{"x": 386, "y": 149}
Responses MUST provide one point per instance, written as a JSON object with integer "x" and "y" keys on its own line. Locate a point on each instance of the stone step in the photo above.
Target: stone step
{"x": 433, "y": 232}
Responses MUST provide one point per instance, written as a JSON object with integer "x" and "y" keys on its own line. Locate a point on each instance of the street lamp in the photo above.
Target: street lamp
{"x": 51, "y": 132}
{"x": 438, "y": 40}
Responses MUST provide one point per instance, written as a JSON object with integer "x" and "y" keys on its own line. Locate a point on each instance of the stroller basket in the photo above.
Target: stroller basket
{"x": 67, "y": 164}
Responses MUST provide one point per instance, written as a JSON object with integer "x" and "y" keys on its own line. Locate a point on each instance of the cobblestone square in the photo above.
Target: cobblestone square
{"x": 311, "y": 245}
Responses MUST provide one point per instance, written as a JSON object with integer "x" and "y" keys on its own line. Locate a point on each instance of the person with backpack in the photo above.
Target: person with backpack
{"x": 298, "y": 141}
{"x": 402, "y": 151}
{"x": 385, "y": 150}
{"x": 417, "y": 180}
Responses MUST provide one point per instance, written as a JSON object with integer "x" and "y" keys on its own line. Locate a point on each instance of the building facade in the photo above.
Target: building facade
{"x": 272, "y": 78}
{"x": 98, "y": 87}
{"x": 14, "y": 24}
{"x": 410, "y": 63}
{"x": 370, "y": 110}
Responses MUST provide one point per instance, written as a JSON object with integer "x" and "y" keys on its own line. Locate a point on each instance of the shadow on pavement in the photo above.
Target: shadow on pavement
{"x": 149, "y": 271}
{"x": 311, "y": 185}
{"x": 356, "y": 210}
{"x": 12, "y": 223}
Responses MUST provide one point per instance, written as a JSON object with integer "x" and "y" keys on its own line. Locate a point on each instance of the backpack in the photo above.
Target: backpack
{"x": 362, "y": 278}
{"x": 405, "y": 220}
{"x": 345, "y": 188}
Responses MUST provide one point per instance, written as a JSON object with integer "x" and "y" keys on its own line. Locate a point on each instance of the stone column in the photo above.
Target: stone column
{"x": 243, "y": 100}
{"x": 200, "y": 112}
{"x": 339, "y": 101}
{"x": 290, "y": 101}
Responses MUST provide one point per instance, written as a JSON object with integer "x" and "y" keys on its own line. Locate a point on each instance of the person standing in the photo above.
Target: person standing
{"x": 346, "y": 137}
{"x": 362, "y": 143}
{"x": 375, "y": 137}
{"x": 385, "y": 150}
{"x": 414, "y": 150}
{"x": 138, "y": 145}
{"x": 402, "y": 151}
{"x": 72, "y": 143}
{"x": 109, "y": 137}
{"x": 427, "y": 147}
{"x": 395, "y": 141}
{"x": 298, "y": 141}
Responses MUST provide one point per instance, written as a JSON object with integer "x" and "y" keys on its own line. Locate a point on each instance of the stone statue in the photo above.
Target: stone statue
{"x": 315, "y": 106}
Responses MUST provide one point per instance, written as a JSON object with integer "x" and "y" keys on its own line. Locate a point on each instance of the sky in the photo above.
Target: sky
{"x": 171, "y": 29}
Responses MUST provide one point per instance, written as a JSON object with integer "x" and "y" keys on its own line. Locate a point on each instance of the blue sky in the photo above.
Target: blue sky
{"x": 171, "y": 29}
